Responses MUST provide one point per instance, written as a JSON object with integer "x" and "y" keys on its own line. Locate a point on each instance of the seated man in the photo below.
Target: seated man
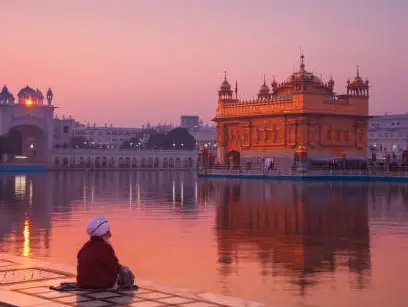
{"x": 98, "y": 267}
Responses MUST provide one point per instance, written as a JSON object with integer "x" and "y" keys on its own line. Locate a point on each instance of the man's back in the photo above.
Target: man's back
{"x": 98, "y": 267}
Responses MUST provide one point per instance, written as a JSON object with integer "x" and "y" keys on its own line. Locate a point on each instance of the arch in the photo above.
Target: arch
{"x": 127, "y": 162}
{"x": 28, "y": 140}
{"x": 178, "y": 163}
{"x": 171, "y": 163}
{"x": 134, "y": 162}
{"x": 81, "y": 162}
{"x": 165, "y": 163}
{"x": 150, "y": 162}
{"x": 156, "y": 162}
{"x": 57, "y": 162}
{"x": 65, "y": 162}
{"x": 97, "y": 162}
{"x": 234, "y": 158}
{"x": 143, "y": 164}
{"x": 111, "y": 162}
{"x": 88, "y": 162}
{"x": 104, "y": 162}
{"x": 121, "y": 163}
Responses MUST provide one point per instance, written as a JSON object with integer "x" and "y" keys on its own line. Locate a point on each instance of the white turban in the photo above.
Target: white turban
{"x": 98, "y": 226}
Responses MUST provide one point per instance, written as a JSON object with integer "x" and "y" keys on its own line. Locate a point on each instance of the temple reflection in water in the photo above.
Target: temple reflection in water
{"x": 297, "y": 234}
{"x": 300, "y": 229}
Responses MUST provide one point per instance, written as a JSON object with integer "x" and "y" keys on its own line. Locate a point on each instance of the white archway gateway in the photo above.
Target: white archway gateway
{"x": 26, "y": 126}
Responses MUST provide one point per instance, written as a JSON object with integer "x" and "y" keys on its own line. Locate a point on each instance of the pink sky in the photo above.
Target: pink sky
{"x": 129, "y": 61}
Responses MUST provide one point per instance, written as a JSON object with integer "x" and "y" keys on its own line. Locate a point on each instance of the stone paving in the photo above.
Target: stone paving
{"x": 25, "y": 282}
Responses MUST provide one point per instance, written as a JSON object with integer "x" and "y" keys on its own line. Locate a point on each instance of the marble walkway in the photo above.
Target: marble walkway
{"x": 25, "y": 282}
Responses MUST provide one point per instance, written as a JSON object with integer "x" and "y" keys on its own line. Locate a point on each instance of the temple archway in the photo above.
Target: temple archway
{"x": 234, "y": 158}
{"x": 25, "y": 143}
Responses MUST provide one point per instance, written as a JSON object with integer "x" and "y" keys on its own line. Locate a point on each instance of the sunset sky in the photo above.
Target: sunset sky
{"x": 127, "y": 62}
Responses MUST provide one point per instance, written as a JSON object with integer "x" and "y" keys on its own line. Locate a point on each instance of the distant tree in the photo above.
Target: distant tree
{"x": 132, "y": 143}
{"x": 155, "y": 141}
{"x": 79, "y": 142}
{"x": 179, "y": 138}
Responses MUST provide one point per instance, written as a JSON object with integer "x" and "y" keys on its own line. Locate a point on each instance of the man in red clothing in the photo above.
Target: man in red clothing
{"x": 98, "y": 267}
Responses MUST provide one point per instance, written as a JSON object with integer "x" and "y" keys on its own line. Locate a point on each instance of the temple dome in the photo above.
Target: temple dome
{"x": 357, "y": 81}
{"x": 5, "y": 96}
{"x": 225, "y": 86}
{"x": 303, "y": 75}
{"x": 264, "y": 90}
{"x": 27, "y": 91}
{"x": 39, "y": 94}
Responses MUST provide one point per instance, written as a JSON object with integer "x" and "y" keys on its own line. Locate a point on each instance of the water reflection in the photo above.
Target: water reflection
{"x": 26, "y": 247}
{"x": 293, "y": 229}
{"x": 252, "y": 238}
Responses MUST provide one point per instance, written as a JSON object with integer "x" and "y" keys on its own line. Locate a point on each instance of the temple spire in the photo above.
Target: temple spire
{"x": 264, "y": 80}
{"x": 302, "y": 61}
{"x": 358, "y": 70}
{"x": 225, "y": 75}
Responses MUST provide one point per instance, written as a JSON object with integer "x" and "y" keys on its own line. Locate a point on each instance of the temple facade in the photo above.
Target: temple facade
{"x": 301, "y": 113}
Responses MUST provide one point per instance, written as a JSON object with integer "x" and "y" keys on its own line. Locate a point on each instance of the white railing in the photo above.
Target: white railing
{"x": 309, "y": 172}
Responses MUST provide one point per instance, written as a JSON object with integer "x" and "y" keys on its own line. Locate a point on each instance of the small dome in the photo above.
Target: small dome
{"x": 303, "y": 75}
{"x": 357, "y": 81}
{"x": 225, "y": 86}
{"x": 264, "y": 90}
{"x": 274, "y": 83}
{"x": 27, "y": 91}
{"x": 39, "y": 94}
{"x": 5, "y": 96}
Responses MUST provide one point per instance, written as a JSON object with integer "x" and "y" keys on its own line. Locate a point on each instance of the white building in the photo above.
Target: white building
{"x": 388, "y": 133}
{"x": 66, "y": 129}
{"x": 26, "y": 125}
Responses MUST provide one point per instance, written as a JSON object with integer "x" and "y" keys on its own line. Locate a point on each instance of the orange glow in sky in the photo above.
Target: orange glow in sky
{"x": 128, "y": 62}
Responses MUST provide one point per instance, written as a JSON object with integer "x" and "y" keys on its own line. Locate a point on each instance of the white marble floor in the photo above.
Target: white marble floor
{"x": 26, "y": 281}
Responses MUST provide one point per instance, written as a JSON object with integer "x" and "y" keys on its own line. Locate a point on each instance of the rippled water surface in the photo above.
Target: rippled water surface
{"x": 288, "y": 243}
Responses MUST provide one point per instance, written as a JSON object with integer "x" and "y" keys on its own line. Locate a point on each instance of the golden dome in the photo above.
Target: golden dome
{"x": 303, "y": 75}
{"x": 358, "y": 81}
{"x": 225, "y": 86}
{"x": 264, "y": 89}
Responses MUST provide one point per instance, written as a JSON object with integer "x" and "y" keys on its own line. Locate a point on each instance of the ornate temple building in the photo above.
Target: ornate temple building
{"x": 302, "y": 112}
{"x": 26, "y": 125}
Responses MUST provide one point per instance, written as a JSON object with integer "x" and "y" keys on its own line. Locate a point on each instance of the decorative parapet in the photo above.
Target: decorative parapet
{"x": 271, "y": 105}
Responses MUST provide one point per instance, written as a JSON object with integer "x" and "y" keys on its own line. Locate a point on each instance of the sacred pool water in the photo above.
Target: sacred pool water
{"x": 286, "y": 243}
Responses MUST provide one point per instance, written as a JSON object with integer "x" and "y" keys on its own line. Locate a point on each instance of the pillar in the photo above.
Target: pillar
{"x": 221, "y": 155}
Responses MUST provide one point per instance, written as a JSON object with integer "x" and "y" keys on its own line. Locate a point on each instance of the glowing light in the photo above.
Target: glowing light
{"x": 20, "y": 186}
{"x": 26, "y": 246}
{"x": 182, "y": 193}
{"x": 30, "y": 198}
{"x": 174, "y": 193}
{"x": 29, "y": 102}
{"x": 138, "y": 194}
